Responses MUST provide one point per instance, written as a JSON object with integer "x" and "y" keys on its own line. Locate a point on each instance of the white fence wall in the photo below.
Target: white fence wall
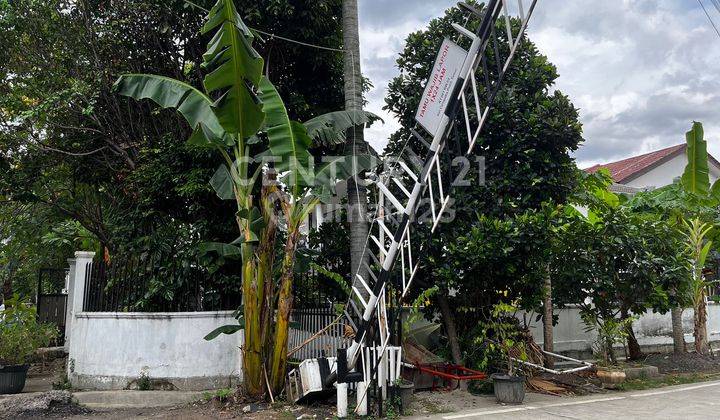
{"x": 111, "y": 350}
{"x": 653, "y": 330}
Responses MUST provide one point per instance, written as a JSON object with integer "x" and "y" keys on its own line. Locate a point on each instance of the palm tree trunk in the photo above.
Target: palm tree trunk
{"x": 355, "y": 141}
{"x": 677, "y": 330}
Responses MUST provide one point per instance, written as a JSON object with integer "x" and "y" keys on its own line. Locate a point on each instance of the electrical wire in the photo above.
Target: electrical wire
{"x": 710, "y": 18}
{"x": 273, "y": 35}
{"x": 716, "y": 3}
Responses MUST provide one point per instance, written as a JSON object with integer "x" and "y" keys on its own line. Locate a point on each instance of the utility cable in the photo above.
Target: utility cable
{"x": 272, "y": 35}
{"x": 709, "y": 18}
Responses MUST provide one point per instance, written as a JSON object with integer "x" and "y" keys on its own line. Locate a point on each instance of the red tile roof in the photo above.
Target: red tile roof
{"x": 627, "y": 169}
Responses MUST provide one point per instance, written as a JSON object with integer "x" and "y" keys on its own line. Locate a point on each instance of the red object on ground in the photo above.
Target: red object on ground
{"x": 450, "y": 372}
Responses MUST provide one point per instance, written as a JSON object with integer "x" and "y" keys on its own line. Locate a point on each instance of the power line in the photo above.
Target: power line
{"x": 716, "y": 3}
{"x": 709, "y": 18}
{"x": 307, "y": 44}
{"x": 272, "y": 35}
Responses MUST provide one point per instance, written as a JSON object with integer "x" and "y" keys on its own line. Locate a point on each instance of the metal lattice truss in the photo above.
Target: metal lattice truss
{"x": 411, "y": 184}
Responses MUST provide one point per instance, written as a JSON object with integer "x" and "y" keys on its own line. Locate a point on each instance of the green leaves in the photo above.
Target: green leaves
{"x": 696, "y": 179}
{"x": 234, "y": 69}
{"x": 339, "y": 168}
{"x": 225, "y": 329}
{"x": 288, "y": 140}
{"x": 330, "y": 129}
{"x": 222, "y": 249}
{"x": 194, "y": 105}
{"x": 222, "y": 183}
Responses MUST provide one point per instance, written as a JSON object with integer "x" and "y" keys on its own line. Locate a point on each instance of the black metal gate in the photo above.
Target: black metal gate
{"x": 51, "y": 301}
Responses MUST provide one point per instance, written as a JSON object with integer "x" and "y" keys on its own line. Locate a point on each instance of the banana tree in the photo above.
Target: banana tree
{"x": 698, "y": 248}
{"x": 224, "y": 117}
{"x": 692, "y": 197}
{"x": 241, "y": 115}
{"x": 305, "y": 187}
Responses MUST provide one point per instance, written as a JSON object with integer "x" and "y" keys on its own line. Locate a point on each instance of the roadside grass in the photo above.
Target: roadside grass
{"x": 666, "y": 380}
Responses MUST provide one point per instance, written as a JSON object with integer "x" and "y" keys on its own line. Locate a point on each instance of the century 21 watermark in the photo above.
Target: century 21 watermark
{"x": 440, "y": 177}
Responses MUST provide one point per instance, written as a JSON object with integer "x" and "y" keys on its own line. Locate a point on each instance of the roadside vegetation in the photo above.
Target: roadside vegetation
{"x": 145, "y": 127}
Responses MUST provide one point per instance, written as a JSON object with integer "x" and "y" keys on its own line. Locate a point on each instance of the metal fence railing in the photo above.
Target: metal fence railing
{"x": 51, "y": 300}
{"x": 159, "y": 283}
{"x": 169, "y": 283}
{"x": 307, "y": 322}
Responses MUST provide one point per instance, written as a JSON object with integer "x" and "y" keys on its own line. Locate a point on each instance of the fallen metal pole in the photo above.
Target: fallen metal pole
{"x": 587, "y": 365}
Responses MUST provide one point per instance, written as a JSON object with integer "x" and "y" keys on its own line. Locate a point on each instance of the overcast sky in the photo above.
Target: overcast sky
{"x": 639, "y": 70}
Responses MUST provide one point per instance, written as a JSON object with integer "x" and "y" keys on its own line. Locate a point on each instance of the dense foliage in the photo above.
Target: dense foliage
{"x": 72, "y": 151}
{"x": 20, "y": 333}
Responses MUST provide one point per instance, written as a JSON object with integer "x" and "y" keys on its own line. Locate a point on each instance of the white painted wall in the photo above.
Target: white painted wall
{"x": 653, "y": 330}
{"x": 666, "y": 173}
{"x": 111, "y": 350}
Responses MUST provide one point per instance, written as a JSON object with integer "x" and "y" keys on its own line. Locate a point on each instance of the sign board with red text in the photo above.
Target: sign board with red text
{"x": 436, "y": 96}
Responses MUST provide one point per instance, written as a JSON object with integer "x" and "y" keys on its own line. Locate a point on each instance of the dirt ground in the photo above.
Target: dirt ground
{"x": 674, "y": 369}
{"x": 199, "y": 410}
{"x": 683, "y": 363}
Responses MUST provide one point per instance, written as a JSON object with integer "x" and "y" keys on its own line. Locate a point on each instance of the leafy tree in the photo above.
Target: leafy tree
{"x": 615, "y": 270}
{"x": 616, "y": 264}
{"x": 691, "y": 198}
{"x": 527, "y": 137}
{"x": 72, "y": 149}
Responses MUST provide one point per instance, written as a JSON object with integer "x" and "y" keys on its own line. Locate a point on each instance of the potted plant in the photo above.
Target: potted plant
{"x": 20, "y": 336}
{"x": 509, "y": 387}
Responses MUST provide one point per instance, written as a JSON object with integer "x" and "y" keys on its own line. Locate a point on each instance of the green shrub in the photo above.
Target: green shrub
{"x": 20, "y": 333}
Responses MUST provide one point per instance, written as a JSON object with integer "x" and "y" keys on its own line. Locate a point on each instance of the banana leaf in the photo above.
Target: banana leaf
{"x": 222, "y": 183}
{"x": 288, "y": 140}
{"x": 192, "y": 104}
{"x": 234, "y": 70}
{"x": 330, "y": 129}
{"x": 696, "y": 178}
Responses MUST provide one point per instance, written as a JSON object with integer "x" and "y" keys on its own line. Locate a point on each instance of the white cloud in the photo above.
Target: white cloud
{"x": 639, "y": 71}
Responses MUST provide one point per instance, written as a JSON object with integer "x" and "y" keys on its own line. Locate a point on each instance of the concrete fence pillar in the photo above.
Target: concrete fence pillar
{"x": 69, "y": 289}
{"x": 79, "y": 267}
{"x": 82, "y": 266}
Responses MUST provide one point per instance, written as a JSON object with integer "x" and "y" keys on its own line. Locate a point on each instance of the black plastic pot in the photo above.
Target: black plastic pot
{"x": 12, "y": 378}
{"x": 508, "y": 389}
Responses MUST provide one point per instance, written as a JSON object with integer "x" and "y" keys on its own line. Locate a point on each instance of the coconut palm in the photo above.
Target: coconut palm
{"x": 355, "y": 144}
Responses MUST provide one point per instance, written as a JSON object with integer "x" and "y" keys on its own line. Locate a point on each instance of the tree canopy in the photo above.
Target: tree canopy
{"x": 71, "y": 149}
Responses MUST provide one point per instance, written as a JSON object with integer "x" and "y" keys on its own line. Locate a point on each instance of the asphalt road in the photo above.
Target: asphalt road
{"x": 694, "y": 401}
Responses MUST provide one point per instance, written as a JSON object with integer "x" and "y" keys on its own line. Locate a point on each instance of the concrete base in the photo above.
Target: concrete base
{"x": 96, "y": 382}
{"x": 135, "y": 399}
{"x": 641, "y": 372}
